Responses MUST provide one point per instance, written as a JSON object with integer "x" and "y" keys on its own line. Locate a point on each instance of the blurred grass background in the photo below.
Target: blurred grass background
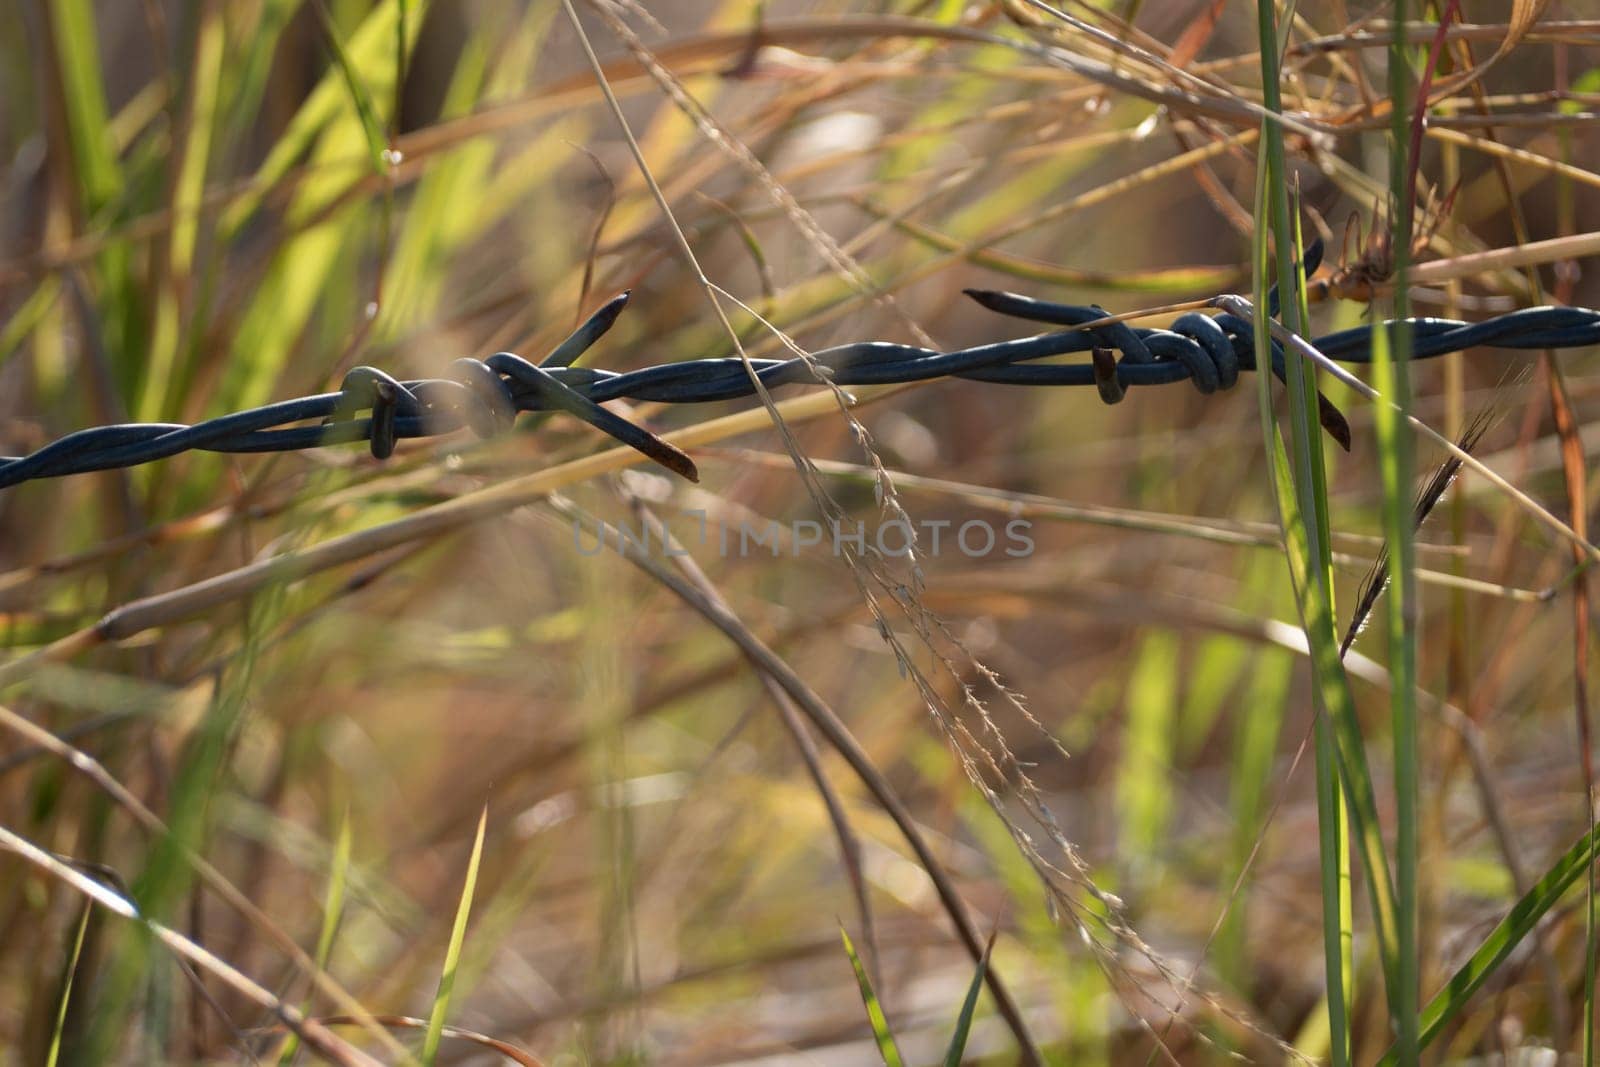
{"x": 215, "y": 204}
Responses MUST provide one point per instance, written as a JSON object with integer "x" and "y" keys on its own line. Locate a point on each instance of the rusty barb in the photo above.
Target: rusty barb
{"x": 485, "y": 396}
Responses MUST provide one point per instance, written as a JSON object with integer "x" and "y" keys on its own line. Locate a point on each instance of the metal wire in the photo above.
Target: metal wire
{"x": 486, "y": 395}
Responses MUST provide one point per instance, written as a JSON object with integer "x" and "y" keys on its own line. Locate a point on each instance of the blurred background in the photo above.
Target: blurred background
{"x": 210, "y": 205}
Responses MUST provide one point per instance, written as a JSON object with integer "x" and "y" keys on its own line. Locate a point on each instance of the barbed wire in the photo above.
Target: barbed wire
{"x": 486, "y": 396}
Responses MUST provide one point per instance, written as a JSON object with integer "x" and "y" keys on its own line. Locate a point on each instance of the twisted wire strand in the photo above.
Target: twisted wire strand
{"x": 486, "y": 396}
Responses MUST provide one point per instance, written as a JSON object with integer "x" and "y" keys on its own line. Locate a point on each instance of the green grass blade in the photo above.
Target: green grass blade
{"x": 435, "y": 227}
{"x": 54, "y": 1055}
{"x": 162, "y": 376}
{"x": 1255, "y": 748}
{"x": 1308, "y": 570}
{"x": 958, "y": 1040}
{"x": 1395, "y": 463}
{"x": 369, "y": 52}
{"x": 1338, "y": 704}
{"x": 1332, "y": 842}
{"x": 1219, "y": 665}
{"x": 1332, "y": 804}
{"x": 360, "y": 98}
{"x": 1391, "y": 375}
{"x": 452, "y": 956}
{"x": 74, "y": 37}
{"x": 248, "y": 68}
{"x": 27, "y": 318}
{"x": 333, "y": 905}
{"x": 1144, "y": 788}
{"x": 332, "y": 912}
{"x": 1519, "y": 922}
{"x": 1340, "y": 932}
{"x": 880, "y": 1024}
{"x": 338, "y": 875}
{"x": 1589, "y": 954}
{"x": 401, "y": 35}
{"x": 204, "y": 79}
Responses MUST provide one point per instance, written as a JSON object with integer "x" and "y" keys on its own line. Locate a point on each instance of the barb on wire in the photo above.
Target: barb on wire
{"x": 485, "y": 396}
